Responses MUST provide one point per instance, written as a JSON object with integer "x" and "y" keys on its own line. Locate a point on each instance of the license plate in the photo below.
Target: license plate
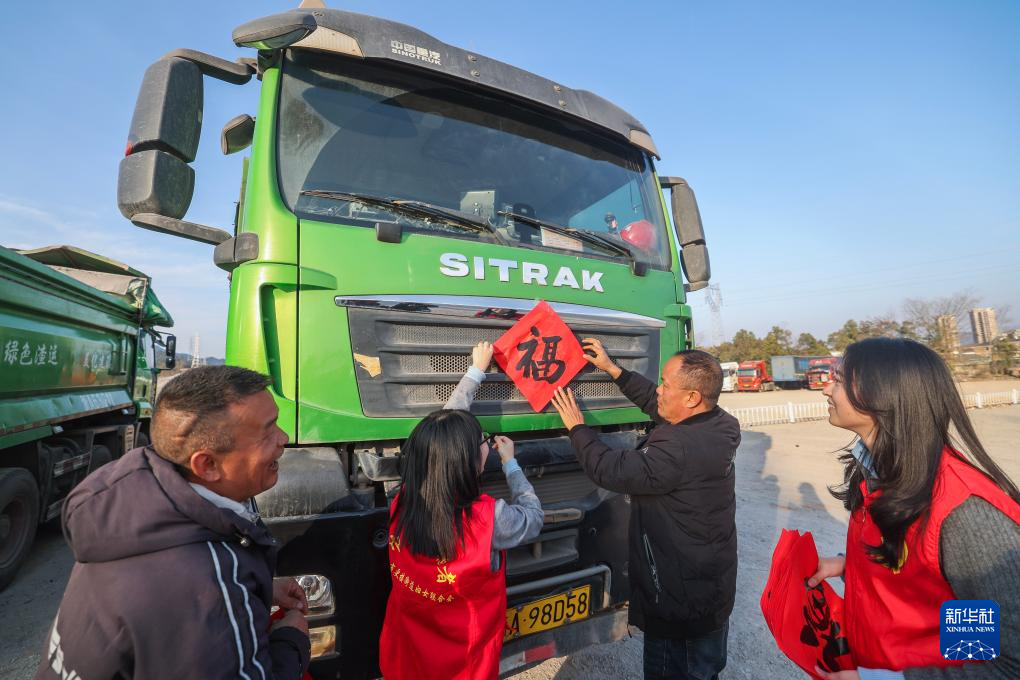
{"x": 549, "y": 612}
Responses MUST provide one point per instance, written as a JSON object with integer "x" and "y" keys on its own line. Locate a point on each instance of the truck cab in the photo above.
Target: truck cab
{"x": 820, "y": 372}
{"x": 753, "y": 376}
{"x": 403, "y": 200}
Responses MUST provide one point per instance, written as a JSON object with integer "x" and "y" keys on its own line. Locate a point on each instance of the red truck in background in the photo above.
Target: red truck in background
{"x": 753, "y": 376}
{"x": 820, "y": 372}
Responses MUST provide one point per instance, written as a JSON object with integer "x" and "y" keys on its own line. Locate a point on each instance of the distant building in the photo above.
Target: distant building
{"x": 986, "y": 328}
{"x": 972, "y": 361}
{"x": 196, "y": 352}
{"x": 948, "y": 333}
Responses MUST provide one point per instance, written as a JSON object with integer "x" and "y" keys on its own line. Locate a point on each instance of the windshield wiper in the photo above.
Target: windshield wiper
{"x": 410, "y": 208}
{"x": 588, "y": 237}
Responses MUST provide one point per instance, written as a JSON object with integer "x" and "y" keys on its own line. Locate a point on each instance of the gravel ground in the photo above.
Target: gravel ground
{"x": 29, "y": 604}
{"x": 782, "y": 473}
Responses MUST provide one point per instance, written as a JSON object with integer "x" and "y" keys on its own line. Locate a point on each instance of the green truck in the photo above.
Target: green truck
{"x": 402, "y": 200}
{"x": 77, "y": 379}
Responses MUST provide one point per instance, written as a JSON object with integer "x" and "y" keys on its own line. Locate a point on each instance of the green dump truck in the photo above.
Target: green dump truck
{"x": 77, "y": 379}
{"x": 404, "y": 199}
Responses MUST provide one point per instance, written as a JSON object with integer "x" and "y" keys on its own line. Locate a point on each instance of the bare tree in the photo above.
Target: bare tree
{"x": 1004, "y": 315}
{"x": 924, "y": 314}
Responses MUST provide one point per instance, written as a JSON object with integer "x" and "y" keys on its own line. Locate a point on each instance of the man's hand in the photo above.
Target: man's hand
{"x": 828, "y": 567}
{"x": 481, "y": 355}
{"x": 287, "y": 594}
{"x": 565, "y": 404}
{"x": 838, "y": 675}
{"x": 505, "y": 448}
{"x": 600, "y": 360}
{"x": 292, "y": 618}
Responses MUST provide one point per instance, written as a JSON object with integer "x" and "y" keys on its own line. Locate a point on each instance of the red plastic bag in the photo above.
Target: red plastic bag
{"x": 539, "y": 353}
{"x": 807, "y": 623}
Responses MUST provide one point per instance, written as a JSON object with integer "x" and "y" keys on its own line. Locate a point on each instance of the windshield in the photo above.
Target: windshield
{"x": 352, "y": 128}
{"x": 747, "y": 372}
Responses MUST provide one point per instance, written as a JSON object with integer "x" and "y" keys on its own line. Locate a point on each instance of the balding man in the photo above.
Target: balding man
{"x": 683, "y": 536}
{"x": 173, "y": 567}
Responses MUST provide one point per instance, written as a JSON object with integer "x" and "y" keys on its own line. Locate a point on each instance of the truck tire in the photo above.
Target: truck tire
{"x": 100, "y": 456}
{"x": 19, "y": 518}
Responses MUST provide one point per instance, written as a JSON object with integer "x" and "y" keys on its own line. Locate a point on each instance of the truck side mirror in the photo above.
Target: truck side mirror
{"x": 156, "y": 182}
{"x": 154, "y": 175}
{"x": 690, "y": 232}
{"x": 237, "y": 134}
{"x": 171, "y": 352}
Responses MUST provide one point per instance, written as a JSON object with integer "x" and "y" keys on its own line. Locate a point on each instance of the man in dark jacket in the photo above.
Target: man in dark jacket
{"x": 173, "y": 567}
{"x": 683, "y": 537}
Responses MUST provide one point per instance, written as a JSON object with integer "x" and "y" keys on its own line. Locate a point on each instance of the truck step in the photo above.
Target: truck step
{"x": 71, "y": 464}
{"x": 54, "y": 510}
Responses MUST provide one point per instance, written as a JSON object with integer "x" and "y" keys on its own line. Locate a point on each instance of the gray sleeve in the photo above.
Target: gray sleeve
{"x": 980, "y": 555}
{"x": 465, "y": 391}
{"x": 520, "y": 519}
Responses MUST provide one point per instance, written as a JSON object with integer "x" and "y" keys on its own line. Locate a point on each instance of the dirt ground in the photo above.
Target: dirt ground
{"x": 782, "y": 474}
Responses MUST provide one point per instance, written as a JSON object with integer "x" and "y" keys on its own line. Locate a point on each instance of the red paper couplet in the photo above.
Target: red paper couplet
{"x": 539, "y": 353}
{"x": 808, "y": 623}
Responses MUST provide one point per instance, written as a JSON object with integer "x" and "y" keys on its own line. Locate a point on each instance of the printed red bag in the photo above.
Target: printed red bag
{"x": 539, "y": 353}
{"x": 807, "y": 623}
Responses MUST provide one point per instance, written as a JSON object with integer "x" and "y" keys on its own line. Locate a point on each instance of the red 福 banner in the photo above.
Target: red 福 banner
{"x": 539, "y": 353}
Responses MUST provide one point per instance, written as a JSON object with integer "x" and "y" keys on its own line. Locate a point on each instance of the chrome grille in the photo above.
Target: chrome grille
{"x": 417, "y": 335}
{"x": 424, "y": 364}
{"x": 505, "y": 391}
{"x": 435, "y": 363}
{"x": 421, "y": 357}
{"x": 549, "y": 488}
{"x": 406, "y": 334}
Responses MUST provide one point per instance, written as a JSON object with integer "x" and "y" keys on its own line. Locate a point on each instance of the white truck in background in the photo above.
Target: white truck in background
{"x": 729, "y": 376}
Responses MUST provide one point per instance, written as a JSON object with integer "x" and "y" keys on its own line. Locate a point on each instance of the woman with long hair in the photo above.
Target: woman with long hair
{"x": 932, "y": 517}
{"x": 446, "y": 613}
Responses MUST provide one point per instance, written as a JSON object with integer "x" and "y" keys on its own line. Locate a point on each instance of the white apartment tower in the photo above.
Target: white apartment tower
{"x": 986, "y": 328}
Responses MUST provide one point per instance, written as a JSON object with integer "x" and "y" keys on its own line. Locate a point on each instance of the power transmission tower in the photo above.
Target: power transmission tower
{"x": 196, "y": 351}
{"x": 713, "y": 296}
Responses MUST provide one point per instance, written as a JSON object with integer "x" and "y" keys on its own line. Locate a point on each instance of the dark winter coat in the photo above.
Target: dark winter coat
{"x": 165, "y": 584}
{"x": 683, "y": 536}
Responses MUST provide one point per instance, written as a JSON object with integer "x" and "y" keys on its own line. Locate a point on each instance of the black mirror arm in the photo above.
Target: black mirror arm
{"x": 228, "y": 71}
{"x": 175, "y": 227}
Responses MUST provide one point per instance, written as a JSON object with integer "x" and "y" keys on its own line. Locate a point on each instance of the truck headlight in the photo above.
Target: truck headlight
{"x": 323, "y": 640}
{"x": 319, "y": 592}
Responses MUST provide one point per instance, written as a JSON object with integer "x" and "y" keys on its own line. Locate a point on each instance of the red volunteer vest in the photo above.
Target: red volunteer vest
{"x": 893, "y": 616}
{"x": 446, "y": 620}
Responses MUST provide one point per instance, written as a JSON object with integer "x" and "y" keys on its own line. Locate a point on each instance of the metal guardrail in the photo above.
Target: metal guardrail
{"x": 790, "y": 412}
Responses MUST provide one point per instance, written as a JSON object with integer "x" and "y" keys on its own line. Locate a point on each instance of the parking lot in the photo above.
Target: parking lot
{"x": 782, "y": 475}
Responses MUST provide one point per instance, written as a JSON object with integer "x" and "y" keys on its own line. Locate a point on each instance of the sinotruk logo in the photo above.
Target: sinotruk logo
{"x": 970, "y": 630}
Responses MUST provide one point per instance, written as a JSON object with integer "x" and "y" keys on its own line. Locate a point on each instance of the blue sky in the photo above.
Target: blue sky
{"x": 845, "y": 157}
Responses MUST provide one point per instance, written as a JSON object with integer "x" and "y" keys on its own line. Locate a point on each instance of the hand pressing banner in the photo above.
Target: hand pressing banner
{"x": 539, "y": 353}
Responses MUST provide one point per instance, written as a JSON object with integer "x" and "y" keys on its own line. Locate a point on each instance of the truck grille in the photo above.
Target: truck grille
{"x": 506, "y": 391}
{"x": 409, "y": 363}
{"x": 556, "y": 488}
